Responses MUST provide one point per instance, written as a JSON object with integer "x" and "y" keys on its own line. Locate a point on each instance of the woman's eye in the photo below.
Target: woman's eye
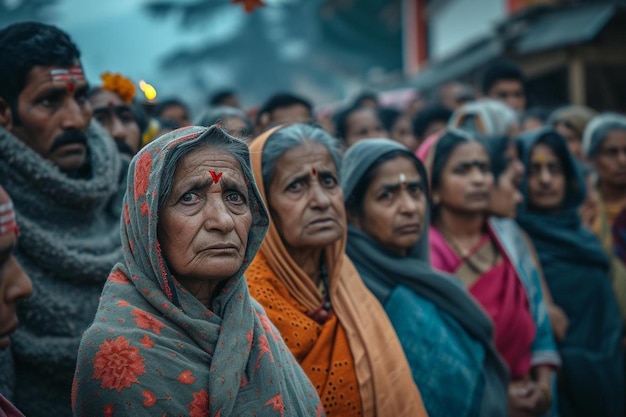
{"x": 295, "y": 186}
{"x": 385, "y": 196}
{"x": 329, "y": 181}
{"x": 415, "y": 190}
{"x": 189, "y": 198}
{"x": 235, "y": 197}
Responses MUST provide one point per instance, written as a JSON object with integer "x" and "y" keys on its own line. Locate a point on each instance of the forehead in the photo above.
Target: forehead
{"x": 466, "y": 152}
{"x": 389, "y": 171}
{"x": 293, "y": 113}
{"x": 200, "y": 161}
{"x": 303, "y": 158}
{"x": 362, "y": 116}
{"x": 615, "y": 137}
{"x": 542, "y": 153}
{"x": 507, "y": 85}
{"x": 105, "y": 98}
{"x": 40, "y": 77}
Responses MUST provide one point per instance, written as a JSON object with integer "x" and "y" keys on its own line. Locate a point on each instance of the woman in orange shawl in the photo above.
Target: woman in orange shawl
{"x": 310, "y": 290}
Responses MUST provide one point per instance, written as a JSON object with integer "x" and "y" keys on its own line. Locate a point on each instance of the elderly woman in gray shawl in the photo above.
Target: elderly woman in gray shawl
{"x": 446, "y": 336}
{"x": 176, "y": 331}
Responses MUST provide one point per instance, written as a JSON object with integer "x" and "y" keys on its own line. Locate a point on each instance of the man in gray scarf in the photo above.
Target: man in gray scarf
{"x": 66, "y": 180}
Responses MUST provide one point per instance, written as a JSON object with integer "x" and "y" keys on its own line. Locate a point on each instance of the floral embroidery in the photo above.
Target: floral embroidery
{"x": 149, "y": 399}
{"x": 186, "y": 377}
{"x": 147, "y": 321}
{"x": 118, "y": 364}
{"x": 277, "y": 404}
{"x": 146, "y": 341}
{"x": 108, "y": 410}
{"x": 142, "y": 174}
{"x": 199, "y": 407}
{"x": 118, "y": 277}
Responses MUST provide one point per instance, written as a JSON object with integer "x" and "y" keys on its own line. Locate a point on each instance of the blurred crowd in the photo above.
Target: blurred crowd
{"x": 457, "y": 254}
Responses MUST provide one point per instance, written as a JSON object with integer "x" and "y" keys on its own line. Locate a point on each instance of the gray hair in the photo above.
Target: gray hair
{"x": 496, "y": 117}
{"x": 214, "y": 138}
{"x": 289, "y": 138}
{"x": 597, "y": 130}
{"x": 214, "y": 115}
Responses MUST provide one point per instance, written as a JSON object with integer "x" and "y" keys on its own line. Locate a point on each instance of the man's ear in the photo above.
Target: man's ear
{"x": 6, "y": 115}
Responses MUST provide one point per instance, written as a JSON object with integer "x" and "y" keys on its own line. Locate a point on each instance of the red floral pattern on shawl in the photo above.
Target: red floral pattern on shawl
{"x": 154, "y": 349}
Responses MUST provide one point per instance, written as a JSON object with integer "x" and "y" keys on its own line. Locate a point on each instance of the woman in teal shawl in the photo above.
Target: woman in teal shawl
{"x": 446, "y": 336}
{"x": 576, "y": 271}
{"x": 161, "y": 344}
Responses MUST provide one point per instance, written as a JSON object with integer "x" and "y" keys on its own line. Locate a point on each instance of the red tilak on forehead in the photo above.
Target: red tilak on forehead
{"x": 216, "y": 176}
{"x": 7, "y": 219}
{"x": 69, "y": 76}
{"x": 314, "y": 171}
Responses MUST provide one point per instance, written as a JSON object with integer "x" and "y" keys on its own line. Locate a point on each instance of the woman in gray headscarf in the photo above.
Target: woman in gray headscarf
{"x": 446, "y": 336}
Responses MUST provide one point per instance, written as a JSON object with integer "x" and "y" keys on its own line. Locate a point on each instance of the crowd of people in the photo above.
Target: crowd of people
{"x": 459, "y": 256}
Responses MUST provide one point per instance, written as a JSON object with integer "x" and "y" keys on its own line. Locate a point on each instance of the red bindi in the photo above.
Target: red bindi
{"x": 216, "y": 176}
{"x": 314, "y": 171}
{"x": 70, "y": 87}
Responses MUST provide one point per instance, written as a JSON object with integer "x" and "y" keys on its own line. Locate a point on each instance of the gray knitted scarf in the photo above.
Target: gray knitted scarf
{"x": 69, "y": 241}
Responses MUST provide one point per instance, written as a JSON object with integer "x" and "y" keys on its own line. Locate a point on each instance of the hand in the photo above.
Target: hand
{"x": 559, "y": 321}
{"x": 527, "y": 399}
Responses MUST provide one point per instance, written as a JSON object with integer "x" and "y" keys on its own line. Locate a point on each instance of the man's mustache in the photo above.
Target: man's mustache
{"x": 70, "y": 137}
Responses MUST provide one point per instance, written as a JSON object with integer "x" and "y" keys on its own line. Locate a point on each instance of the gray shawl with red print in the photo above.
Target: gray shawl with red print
{"x": 154, "y": 349}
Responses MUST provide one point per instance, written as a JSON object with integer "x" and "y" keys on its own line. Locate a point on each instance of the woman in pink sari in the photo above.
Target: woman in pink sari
{"x": 466, "y": 243}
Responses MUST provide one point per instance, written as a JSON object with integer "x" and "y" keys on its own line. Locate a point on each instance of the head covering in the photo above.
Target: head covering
{"x": 7, "y": 215}
{"x": 385, "y": 382}
{"x": 486, "y": 117}
{"x": 576, "y": 117}
{"x": 154, "y": 346}
{"x": 576, "y": 271}
{"x": 383, "y": 272}
{"x": 597, "y": 129}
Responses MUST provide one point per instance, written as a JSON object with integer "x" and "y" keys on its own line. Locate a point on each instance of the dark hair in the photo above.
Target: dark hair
{"x": 282, "y": 100}
{"x": 388, "y": 117}
{"x": 341, "y": 120}
{"x": 426, "y": 116}
{"x": 496, "y": 148}
{"x": 26, "y": 45}
{"x": 354, "y": 202}
{"x": 444, "y": 148}
{"x": 216, "y": 115}
{"x": 502, "y": 70}
{"x": 364, "y": 96}
{"x": 218, "y": 97}
{"x": 160, "y": 108}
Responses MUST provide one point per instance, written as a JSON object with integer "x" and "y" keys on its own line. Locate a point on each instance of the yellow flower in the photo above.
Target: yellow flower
{"x": 119, "y": 85}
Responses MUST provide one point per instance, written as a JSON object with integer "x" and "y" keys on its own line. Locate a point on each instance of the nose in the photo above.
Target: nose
{"x": 545, "y": 176}
{"x": 621, "y": 157}
{"x": 217, "y": 216}
{"x": 75, "y": 115}
{"x": 478, "y": 176}
{"x": 319, "y": 197}
{"x": 118, "y": 132}
{"x": 408, "y": 204}
{"x": 20, "y": 285}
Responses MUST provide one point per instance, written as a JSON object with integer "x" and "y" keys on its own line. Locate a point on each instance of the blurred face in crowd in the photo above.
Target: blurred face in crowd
{"x": 402, "y": 132}
{"x": 610, "y": 161}
{"x": 118, "y": 119}
{"x": 572, "y": 136}
{"x": 506, "y": 196}
{"x": 305, "y": 199}
{"x": 546, "y": 179}
{"x": 363, "y": 124}
{"x": 177, "y": 114}
{"x": 236, "y": 127}
{"x": 510, "y": 92}
{"x": 296, "y": 113}
{"x": 531, "y": 123}
{"x": 52, "y": 118}
{"x": 454, "y": 95}
{"x": 204, "y": 225}
{"x": 466, "y": 180}
{"x": 394, "y": 206}
{"x": 14, "y": 284}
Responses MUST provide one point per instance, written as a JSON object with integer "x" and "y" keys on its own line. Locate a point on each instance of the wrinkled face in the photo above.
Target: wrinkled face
{"x": 54, "y": 115}
{"x": 204, "y": 224}
{"x": 305, "y": 199}
{"x": 118, "y": 119}
{"x": 177, "y": 114}
{"x": 506, "y": 196}
{"x": 572, "y": 136}
{"x": 236, "y": 128}
{"x": 394, "y": 206}
{"x": 363, "y": 124}
{"x": 610, "y": 161}
{"x": 466, "y": 180}
{"x": 510, "y": 92}
{"x": 14, "y": 285}
{"x": 402, "y": 132}
{"x": 298, "y": 113}
{"x": 546, "y": 179}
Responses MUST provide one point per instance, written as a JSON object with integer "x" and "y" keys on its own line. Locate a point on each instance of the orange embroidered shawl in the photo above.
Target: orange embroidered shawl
{"x": 357, "y": 347}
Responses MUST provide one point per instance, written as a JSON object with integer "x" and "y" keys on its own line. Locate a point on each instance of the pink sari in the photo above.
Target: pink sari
{"x": 499, "y": 291}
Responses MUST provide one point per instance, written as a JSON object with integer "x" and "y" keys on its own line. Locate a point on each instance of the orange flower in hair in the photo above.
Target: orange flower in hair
{"x": 119, "y": 85}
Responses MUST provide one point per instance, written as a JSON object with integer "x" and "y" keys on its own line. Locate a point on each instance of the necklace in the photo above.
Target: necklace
{"x": 323, "y": 312}
{"x": 487, "y": 261}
